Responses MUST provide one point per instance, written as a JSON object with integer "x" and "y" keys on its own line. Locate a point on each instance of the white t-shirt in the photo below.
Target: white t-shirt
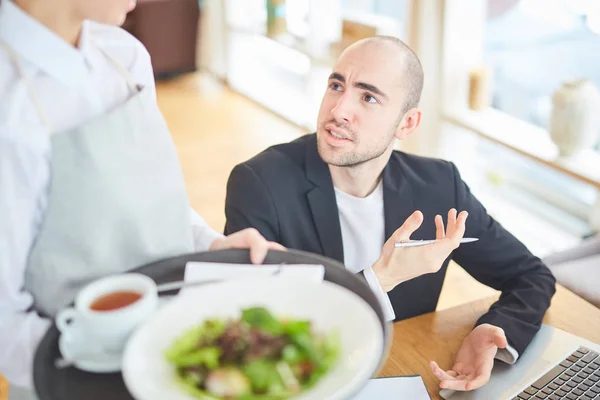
{"x": 362, "y": 221}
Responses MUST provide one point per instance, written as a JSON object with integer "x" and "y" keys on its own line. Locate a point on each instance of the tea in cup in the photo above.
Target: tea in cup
{"x": 108, "y": 310}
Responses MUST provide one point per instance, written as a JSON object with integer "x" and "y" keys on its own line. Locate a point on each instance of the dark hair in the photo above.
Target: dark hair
{"x": 412, "y": 68}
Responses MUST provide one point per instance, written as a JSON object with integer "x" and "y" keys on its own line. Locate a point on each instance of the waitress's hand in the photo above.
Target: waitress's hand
{"x": 247, "y": 238}
{"x": 397, "y": 265}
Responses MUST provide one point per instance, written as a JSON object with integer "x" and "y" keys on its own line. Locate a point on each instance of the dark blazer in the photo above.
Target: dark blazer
{"x": 287, "y": 194}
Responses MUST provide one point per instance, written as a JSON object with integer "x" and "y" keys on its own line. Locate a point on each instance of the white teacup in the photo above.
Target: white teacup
{"x": 109, "y": 330}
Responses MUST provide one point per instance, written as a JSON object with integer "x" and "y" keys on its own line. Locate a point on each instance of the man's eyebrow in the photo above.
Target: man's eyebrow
{"x": 370, "y": 88}
{"x": 338, "y": 77}
{"x": 362, "y": 85}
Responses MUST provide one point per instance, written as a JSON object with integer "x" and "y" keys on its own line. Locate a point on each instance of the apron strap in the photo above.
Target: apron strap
{"x": 29, "y": 83}
{"x": 32, "y": 93}
{"x": 122, "y": 70}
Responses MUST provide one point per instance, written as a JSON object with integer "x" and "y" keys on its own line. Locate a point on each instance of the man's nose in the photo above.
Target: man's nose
{"x": 342, "y": 112}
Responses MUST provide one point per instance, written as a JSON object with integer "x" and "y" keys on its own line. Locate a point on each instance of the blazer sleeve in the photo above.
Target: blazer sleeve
{"x": 248, "y": 204}
{"x": 502, "y": 262}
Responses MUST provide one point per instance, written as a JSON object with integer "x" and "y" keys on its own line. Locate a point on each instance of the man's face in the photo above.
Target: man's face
{"x": 112, "y": 12}
{"x": 362, "y": 106}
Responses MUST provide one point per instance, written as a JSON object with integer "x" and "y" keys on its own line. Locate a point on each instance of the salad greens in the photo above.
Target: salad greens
{"x": 257, "y": 357}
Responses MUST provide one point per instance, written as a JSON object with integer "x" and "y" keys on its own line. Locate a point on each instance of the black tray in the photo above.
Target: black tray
{"x": 73, "y": 384}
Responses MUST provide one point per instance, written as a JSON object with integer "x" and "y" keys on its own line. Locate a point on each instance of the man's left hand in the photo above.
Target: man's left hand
{"x": 474, "y": 360}
{"x": 247, "y": 238}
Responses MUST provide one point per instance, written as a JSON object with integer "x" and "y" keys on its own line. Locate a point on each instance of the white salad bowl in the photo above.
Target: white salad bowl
{"x": 329, "y": 307}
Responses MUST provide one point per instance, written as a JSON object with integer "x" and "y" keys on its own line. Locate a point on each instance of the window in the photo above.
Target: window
{"x": 506, "y": 153}
{"x": 388, "y": 17}
{"x": 533, "y": 46}
{"x": 280, "y": 52}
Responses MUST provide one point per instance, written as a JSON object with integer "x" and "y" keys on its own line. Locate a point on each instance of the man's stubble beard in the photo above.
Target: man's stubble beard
{"x": 353, "y": 158}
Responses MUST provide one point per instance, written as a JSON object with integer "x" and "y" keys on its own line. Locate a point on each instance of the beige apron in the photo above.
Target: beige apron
{"x": 117, "y": 199}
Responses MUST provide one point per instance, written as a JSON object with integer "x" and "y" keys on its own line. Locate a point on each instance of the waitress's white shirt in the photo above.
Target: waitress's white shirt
{"x": 73, "y": 86}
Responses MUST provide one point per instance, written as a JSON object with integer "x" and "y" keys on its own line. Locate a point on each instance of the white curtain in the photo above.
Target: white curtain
{"x": 213, "y": 38}
{"x": 498, "y": 7}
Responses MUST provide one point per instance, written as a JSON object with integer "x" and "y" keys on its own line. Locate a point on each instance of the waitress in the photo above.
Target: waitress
{"x": 90, "y": 183}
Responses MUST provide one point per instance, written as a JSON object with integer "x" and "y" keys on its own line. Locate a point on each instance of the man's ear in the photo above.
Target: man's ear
{"x": 409, "y": 123}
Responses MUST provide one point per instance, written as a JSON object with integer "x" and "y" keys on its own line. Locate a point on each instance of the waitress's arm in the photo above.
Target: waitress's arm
{"x": 204, "y": 235}
{"x": 22, "y": 181}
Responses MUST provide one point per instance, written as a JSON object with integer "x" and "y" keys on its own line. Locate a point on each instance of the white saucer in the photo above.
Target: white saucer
{"x": 88, "y": 359}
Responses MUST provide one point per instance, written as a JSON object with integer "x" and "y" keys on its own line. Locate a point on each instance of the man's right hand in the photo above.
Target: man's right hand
{"x": 397, "y": 265}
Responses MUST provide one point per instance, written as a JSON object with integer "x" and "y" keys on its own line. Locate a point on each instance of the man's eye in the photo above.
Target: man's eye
{"x": 336, "y": 86}
{"x": 370, "y": 99}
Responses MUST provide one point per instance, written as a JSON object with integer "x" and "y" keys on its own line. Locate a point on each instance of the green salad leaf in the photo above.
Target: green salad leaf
{"x": 328, "y": 351}
{"x": 304, "y": 342}
{"x": 195, "y": 337}
{"x": 263, "y": 376}
{"x": 296, "y": 327}
{"x": 262, "y": 319}
{"x": 291, "y": 354}
{"x": 208, "y": 356}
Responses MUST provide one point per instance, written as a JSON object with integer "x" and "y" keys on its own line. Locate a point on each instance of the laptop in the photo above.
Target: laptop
{"x": 556, "y": 365}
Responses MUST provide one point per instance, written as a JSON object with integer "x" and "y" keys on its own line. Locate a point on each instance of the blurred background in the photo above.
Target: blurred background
{"x": 510, "y": 96}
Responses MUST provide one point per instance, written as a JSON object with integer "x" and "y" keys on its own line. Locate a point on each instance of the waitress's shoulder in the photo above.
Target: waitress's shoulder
{"x": 120, "y": 44}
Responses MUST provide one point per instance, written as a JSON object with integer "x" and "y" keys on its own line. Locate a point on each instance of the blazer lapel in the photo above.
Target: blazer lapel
{"x": 322, "y": 202}
{"x": 397, "y": 197}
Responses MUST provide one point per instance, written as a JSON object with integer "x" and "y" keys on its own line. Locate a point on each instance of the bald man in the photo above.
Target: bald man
{"x": 344, "y": 192}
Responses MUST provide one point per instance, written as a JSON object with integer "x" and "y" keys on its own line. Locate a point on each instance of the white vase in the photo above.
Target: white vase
{"x": 575, "y": 119}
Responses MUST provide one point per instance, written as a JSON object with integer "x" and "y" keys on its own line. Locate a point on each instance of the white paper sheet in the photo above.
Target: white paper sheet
{"x": 394, "y": 388}
{"x": 203, "y": 271}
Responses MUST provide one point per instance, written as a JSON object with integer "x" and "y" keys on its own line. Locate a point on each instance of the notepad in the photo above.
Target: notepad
{"x": 394, "y": 388}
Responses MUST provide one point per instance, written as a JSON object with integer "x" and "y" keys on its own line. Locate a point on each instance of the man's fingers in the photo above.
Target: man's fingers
{"x": 454, "y": 234}
{"x": 451, "y": 218}
{"x": 460, "y": 368}
{"x": 411, "y": 224}
{"x": 454, "y": 384}
{"x": 458, "y": 230}
{"x": 440, "y": 232}
{"x": 465, "y": 384}
{"x": 478, "y": 382}
{"x": 500, "y": 339}
{"x": 438, "y": 372}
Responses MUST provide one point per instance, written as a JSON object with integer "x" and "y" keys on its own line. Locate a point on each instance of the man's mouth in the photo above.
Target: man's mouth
{"x": 337, "y": 133}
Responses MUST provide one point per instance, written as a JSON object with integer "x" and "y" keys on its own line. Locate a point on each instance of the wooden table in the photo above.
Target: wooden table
{"x": 438, "y": 335}
{"x": 3, "y": 388}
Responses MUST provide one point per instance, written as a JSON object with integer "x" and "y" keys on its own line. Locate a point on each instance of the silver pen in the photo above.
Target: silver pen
{"x": 415, "y": 243}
